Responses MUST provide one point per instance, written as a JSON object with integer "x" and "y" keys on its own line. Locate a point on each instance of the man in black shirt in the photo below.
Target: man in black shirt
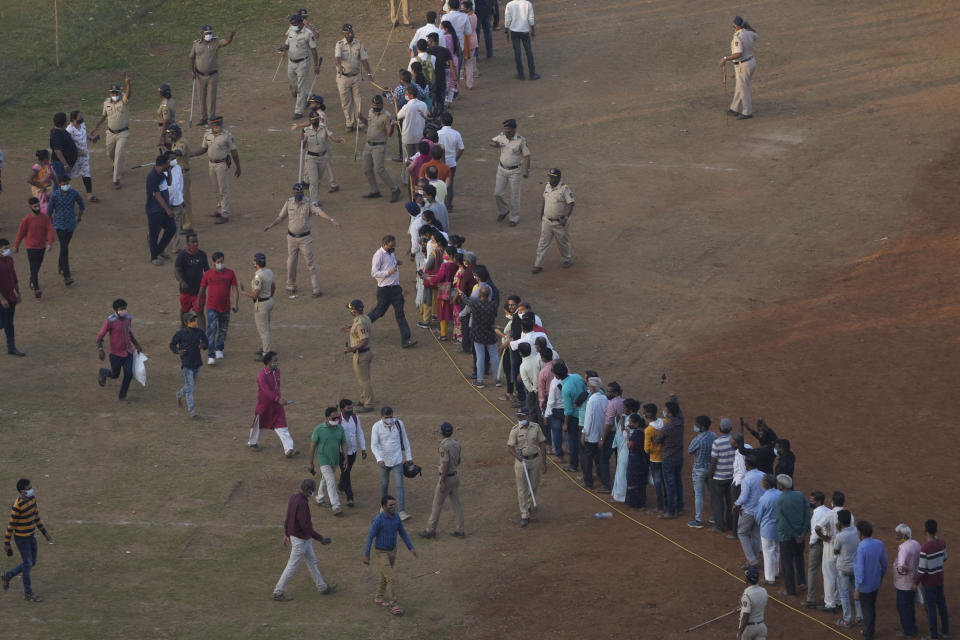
{"x": 443, "y": 64}
{"x": 188, "y": 269}
{"x": 159, "y": 213}
{"x": 188, "y": 343}
{"x": 63, "y": 151}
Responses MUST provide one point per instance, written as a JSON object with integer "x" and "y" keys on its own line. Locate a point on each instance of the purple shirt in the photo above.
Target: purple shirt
{"x": 298, "y": 524}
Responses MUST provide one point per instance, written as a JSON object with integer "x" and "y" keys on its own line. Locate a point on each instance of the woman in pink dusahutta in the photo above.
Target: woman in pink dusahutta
{"x": 270, "y": 413}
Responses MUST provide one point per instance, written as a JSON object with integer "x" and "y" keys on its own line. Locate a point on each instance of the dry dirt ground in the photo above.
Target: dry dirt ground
{"x": 798, "y": 266}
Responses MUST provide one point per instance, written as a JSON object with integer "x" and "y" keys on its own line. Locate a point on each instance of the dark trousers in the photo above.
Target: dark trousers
{"x": 64, "y": 237}
{"x": 721, "y": 504}
{"x": 507, "y": 362}
{"x": 555, "y": 420}
{"x": 573, "y": 440}
{"x": 118, "y": 364}
{"x": 673, "y": 486}
{"x": 35, "y": 258}
{"x": 157, "y": 223}
{"x": 637, "y": 470}
{"x": 27, "y": 546}
{"x": 603, "y": 460}
{"x": 868, "y": 603}
{"x": 935, "y": 600}
{"x": 656, "y": 474}
{"x": 791, "y": 564}
{"x": 734, "y": 494}
{"x": 590, "y": 451}
{"x": 485, "y": 24}
{"x": 907, "y": 609}
{"x": 391, "y": 295}
{"x": 522, "y": 38}
{"x": 88, "y": 184}
{"x": 6, "y": 322}
{"x": 344, "y": 484}
{"x": 448, "y": 201}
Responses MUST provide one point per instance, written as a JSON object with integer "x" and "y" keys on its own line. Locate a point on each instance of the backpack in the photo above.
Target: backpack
{"x": 428, "y": 69}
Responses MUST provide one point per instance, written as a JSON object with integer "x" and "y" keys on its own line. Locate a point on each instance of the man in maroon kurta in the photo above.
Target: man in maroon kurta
{"x": 270, "y": 413}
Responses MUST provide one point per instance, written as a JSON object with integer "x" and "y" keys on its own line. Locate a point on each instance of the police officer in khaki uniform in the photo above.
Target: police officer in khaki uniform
{"x": 514, "y": 161}
{"x": 380, "y": 125}
{"x": 744, "y": 64}
{"x": 351, "y": 55}
{"x": 527, "y": 444}
{"x": 301, "y": 46}
{"x": 262, "y": 288}
{"x": 204, "y": 68}
{"x": 555, "y": 213}
{"x": 166, "y": 112}
{"x": 448, "y": 485}
{"x": 178, "y": 143}
{"x": 219, "y": 145}
{"x": 317, "y": 139}
{"x": 360, "y": 333}
{"x": 117, "y": 114}
{"x": 299, "y": 215}
{"x": 753, "y": 602}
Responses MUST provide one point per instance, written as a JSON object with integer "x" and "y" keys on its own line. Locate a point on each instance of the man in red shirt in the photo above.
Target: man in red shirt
{"x": 122, "y": 344}
{"x": 298, "y": 532}
{"x": 37, "y": 230}
{"x": 933, "y": 554}
{"x": 436, "y": 160}
{"x": 215, "y": 296}
{"x": 9, "y": 296}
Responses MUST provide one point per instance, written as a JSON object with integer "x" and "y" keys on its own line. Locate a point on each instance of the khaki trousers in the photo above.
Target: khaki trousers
{"x": 186, "y": 220}
{"x": 741, "y": 95}
{"x": 404, "y": 17}
{"x": 296, "y": 246}
{"x": 512, "y": 180}
{"x": 361, "y": 369}
{"x": 451, "y": 491}
{"x": 349, "y": 87}
{"x": 313, "y": 168}
{"x": 386, "y": 560}
{"x": 178, "y": 218}
{"x": 550, "y": 231}
{"x": 523, "y": 491}
{"x": 207, "y": 86}
{"x": 755, "y": 632}
{"x": 220, "y": 179}
{"x": 117, "y": 151}
{"x": 297, "y": 77}
{"x": 261, "y": 317}
{"x": 374, "y": 157}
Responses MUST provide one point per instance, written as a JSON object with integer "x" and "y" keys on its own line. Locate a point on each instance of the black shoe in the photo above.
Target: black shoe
{"x": 15, "y": 352}
{"x": 102, "y": 379}
{"x": 408, "y": 344}
{"x": 68, "y": 281}
{"x": 731, "y": 112}
{"x": 519, "y": 76}
{"x": 372, "y": 194}
{"x": 536, "y": 270}
{"x": 743, "y": 117}
{"x": 297, "y": 116}
{"x": 37, "y": 293}
{"x": 501, "y": 217}
{"x": 458, "y": 534}
{"x": 202, "y": 122}
{"x": 395, "y": 195}
{"x": 333, "y": 189}
{"x": 426, "y": 533}
{"x": 534, "y": 76}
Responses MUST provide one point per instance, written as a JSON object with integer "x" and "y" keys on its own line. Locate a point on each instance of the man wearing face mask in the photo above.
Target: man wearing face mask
{"x": 270, "y": 412}
{"x": 189, "y": 342}
{"x": 317, "y": 139}
{"x": 167, "y": 111}
{"x": 448, "y": 485}
{"x": 391, "y": 448}
{"x": 218, "y": 144}
{"x": 300, "y": 45}
{"x": 179, "y": 146}
{"x": 214, "y": 297}
{"x": 78, "y": 131}
{"x": 299, "y": 215}
{"x": 360, "y": 332}
{"x": 122, "y": 344}
{"x": 328, "y": 449}
{"x": 513, "y": 154}
{"x": 24, "y": 521}
{"x": 526, "y": 443}
{"x": 9, "y": 296}
{"x": 556, "y": 210}
{"x": 385, "y": 270}
{"x": 188, "y": 269}
{"x": 380, "y": 126}
{"x": 160, "y": 215}
{"x": 262, "y": 288}
{"x": 117, "y": 114}
{"x": 36, "y": 230}
{"x": 351, "y": 55}
{"x": 204, "y": 68}
{"x": 355, "y": 442}
{"x": 175, "y": 172}
{"x": 298, "y": 532}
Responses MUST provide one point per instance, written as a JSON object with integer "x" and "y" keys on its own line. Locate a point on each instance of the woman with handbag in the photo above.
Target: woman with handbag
{"x": 442, "y": 280}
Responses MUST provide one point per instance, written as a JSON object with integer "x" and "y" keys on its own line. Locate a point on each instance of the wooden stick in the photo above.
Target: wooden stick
{"x": 56, "y": 29}
{"x": 403, "y": 147}
{"x": 711, "y": 620}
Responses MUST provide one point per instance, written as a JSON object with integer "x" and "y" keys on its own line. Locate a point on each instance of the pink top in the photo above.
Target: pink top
{"x": 905, "y": 568}
{"x": 543, "y": 385}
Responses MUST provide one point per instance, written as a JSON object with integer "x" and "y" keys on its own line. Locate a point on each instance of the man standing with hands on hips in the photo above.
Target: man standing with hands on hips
{"x": 526, "y": 443}
{"x": 219, "y": 145}
{"x": 513, "y": 154}
{"x": 744, "y": 64}
{"x": 300, "y": 45}
{"x": 351, "y": 55}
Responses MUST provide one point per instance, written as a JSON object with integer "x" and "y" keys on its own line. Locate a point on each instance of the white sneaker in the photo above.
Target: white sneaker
{"x": 219, "y": 355}
{"x": 211, "y": 361}
{"x": 404, "y": 515}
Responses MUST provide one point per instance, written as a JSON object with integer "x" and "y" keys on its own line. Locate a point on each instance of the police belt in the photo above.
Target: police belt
{"x": 212, "y": 73}
{"x": 296, "y": 61}
{"x": 118, "y": 130}
{"x": 263, "y": 299}
{"x": 297, "y": 235}
{"x": 349, "y": 75}
{"x": 364, "y": 350}
{"x": 448, "y": 475}
{"x": 743, "y": 60}
{"x": 316, "y": 155}
{"x": 516, "y": 166}
{"x": 560, "y": 219}
{"x": 531, "y": 457}
{"x": 220, "y": 161}
{"x": 376, "y": 144}
{"x": 758, "y": 622}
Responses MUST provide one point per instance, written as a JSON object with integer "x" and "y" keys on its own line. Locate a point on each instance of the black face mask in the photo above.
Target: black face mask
{"x": 347, "y": 414}
{"x": 35, "y": 210}
{"x": 377, "y": 109}
{"x": 391, "y": 249}
{"x": 80, "y": 121}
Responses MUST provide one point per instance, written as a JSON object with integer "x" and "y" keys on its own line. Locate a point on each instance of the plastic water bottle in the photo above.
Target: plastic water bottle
{"x": 602, "y": 515}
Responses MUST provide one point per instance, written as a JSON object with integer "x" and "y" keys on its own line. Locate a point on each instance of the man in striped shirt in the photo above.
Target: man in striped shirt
{"x": 720, "y": 478}
{"x": 933, "y": 554}
{"x": 24, "y": 520}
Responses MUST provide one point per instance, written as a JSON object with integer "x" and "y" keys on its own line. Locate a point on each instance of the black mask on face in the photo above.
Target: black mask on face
{"x": 391, "y": 249}
{"x": 80, "y": 121}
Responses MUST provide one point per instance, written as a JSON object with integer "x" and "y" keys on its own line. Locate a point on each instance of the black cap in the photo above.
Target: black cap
{"x": 510, "y": 122}
{"x": 522, "y": 411}
{"x": 316, "y": 98}
{"x": 346, "y": 27}
{"x": 446, "y": 429}
{"x": 554, "y": 173}
{"x": 115, "y": 88}
{"x": 355, "y": 305}
{"x": 216, "y": 119}
{"x": 296, "y": 19}
{"x": 737, "y": 21}
{"x": 174, "y": 128}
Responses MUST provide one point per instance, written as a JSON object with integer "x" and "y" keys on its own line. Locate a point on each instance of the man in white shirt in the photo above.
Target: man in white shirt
{"x": 355, "y": 441}
{"x": 430, "y": 203}
{"x": 176, "y": 195}
{"x": 528, "y": 335}
{"x": 554, "y": 412}
{"x": 739, "y": 471}
{"x": 518, "y": 24}
{"x": 592, "y": 433}
{"x": 384, "y": 269}
{"x": 391, "y": 448}
{"x": 530, "y": 365}
{"x": 461, "y": 24}
{"x": 413, "y": 117}
{"x": 422, "y": 32}
{"x": 452, "y": 143}
{"x": 814, "y": 561}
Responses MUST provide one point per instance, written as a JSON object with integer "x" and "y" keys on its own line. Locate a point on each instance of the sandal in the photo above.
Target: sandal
{"x": 396, "y": 610}
{"x": 93, "y": 199}
{"x": 381, "y": 602}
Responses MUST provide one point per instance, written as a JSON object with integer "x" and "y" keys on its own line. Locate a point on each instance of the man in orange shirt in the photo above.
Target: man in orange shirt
{"x": 436, "y": 160}
{"x": 37, "y": 230}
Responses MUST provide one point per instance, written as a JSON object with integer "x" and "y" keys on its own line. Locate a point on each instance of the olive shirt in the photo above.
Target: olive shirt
{"x": 204, "y": 55}
{"x": 184, "y": 149}
{"x": 449, "y": 453}
{"x": 118, "y": 115}
{"x": 512, "y": 152}
{"x": 350, "y": 55}
{"x": 218, "y": 145}
{"x": 300, "y": 43}
{"x": 377, "y": 126}
{"x": 263, "y": 282}
{"x": 361, "y": 329}
{"x": 316, "y": 140}
{"x": 527, "y": 438}
{"x": 167, "y": 111}
{"x": 328, "y": 443}
{"x": 299, "y": 215}
{"x": 555, "y": 201}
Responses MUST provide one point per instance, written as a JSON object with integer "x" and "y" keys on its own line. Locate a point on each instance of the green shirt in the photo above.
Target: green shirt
{"x": 328, "y": 444}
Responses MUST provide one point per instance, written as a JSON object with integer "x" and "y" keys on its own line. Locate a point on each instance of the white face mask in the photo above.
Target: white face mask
{"x": 386, "y": 421}
{"x": 523, "y": 423}
{"x": 5, "y": 253}
{"x": 30, "y": 492}
{"x": 114, "y": 98}
{"x": 173, "y": 162}
{"x": 218, "y": 266}
{"x": 122, "y": 313}
{"x": 64, "y": 187}
{"x": 208, "y": 37}
{"x": 333, "y": 423}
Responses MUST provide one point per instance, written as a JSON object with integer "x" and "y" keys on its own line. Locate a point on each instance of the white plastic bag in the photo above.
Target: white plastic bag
{"x": 140, "y": 367}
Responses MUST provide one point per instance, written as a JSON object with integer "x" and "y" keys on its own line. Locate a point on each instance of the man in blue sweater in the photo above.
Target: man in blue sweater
{"x": 188, "y": 343}
{"x": 384, "y": 530}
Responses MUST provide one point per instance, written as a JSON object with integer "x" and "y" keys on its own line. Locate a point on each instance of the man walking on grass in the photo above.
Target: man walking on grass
{"x": 298, "y": 532}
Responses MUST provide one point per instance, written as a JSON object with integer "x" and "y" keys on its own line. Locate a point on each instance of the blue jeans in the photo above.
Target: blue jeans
{"x": 189, "y": 382}
{"x": 656, "y": 474}
{"x": 845, "y": 585}
{"x": 484, "y": 353}
{"x": 397, "y": 472}
{"x": 573, "y": 440}
{"x": 934, "y": 600}
{"x": 699, "y": 487}
{"x": 217, "y": 324}
{"x": 485, "y": 24}
{"x": 524, "y": 39}
{"x": 555, "y": 420}
{"x": 28, "y": 551}
{"x": 672, "y": 486}
{"x": 907, "y": 610}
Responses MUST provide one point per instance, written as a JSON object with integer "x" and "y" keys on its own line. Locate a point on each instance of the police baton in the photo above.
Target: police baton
{"x": 280, "y": 62}
{"x": 720, "y": 617}
{"x": 193, "y": 92}
{"x": 526, "y": 474}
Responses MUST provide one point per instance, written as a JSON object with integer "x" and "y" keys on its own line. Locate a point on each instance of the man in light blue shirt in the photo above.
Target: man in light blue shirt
{"x": 869, "y": 565}
{"x": 571, "y": 386}
{"x": 593, "y": 419}
{"x": 748, "y": 528}
{"x": 769, "y": 534}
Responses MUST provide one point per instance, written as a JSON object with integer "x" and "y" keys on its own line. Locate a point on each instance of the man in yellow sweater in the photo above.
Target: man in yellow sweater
{"x": 24, "y": 520}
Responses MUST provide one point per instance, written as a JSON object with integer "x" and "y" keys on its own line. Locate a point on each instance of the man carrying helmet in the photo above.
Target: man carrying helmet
{"x": 300, "y": 45}
{"x": 298, "y": 214}
{"x": 205, "y": 69}
{"x": 117, "y": 115}
{"x": 380, "y": 126}
{"x": 359, "y": 346}
{"x": 350, "y": 55}
{"x": 219, "y": 146}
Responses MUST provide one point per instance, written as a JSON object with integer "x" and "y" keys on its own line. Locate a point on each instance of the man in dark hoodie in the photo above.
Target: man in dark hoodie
{"x": 671, "y": 437}
{"x": 188, "y": 343}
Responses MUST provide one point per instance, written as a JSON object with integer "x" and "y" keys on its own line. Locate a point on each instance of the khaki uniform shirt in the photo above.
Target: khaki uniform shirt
{"x": 182, "y": 146}
{"x": 316, "y": 140}
{"x": 263, "y": 281}
{"x": 167, "y": 111}
{"x": 449, "y": 453}
{"x": 118, "y": 115}
{"x": 555, "y": 201}
{"x": 526, "y": 438}
{"x": 361, "y": 328}
{"x": 377, "y": 125}
{"x": 512, "y": 152}
{"x": 300, "y": 42}
{"x": 299, "y": 215}
{"x": 742, "y": 43}
{"x": 204, "y": 55}
{"x": 753, "y": 602}
{"x": 218, "y": 145}
{"x": 350, "y": 55}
